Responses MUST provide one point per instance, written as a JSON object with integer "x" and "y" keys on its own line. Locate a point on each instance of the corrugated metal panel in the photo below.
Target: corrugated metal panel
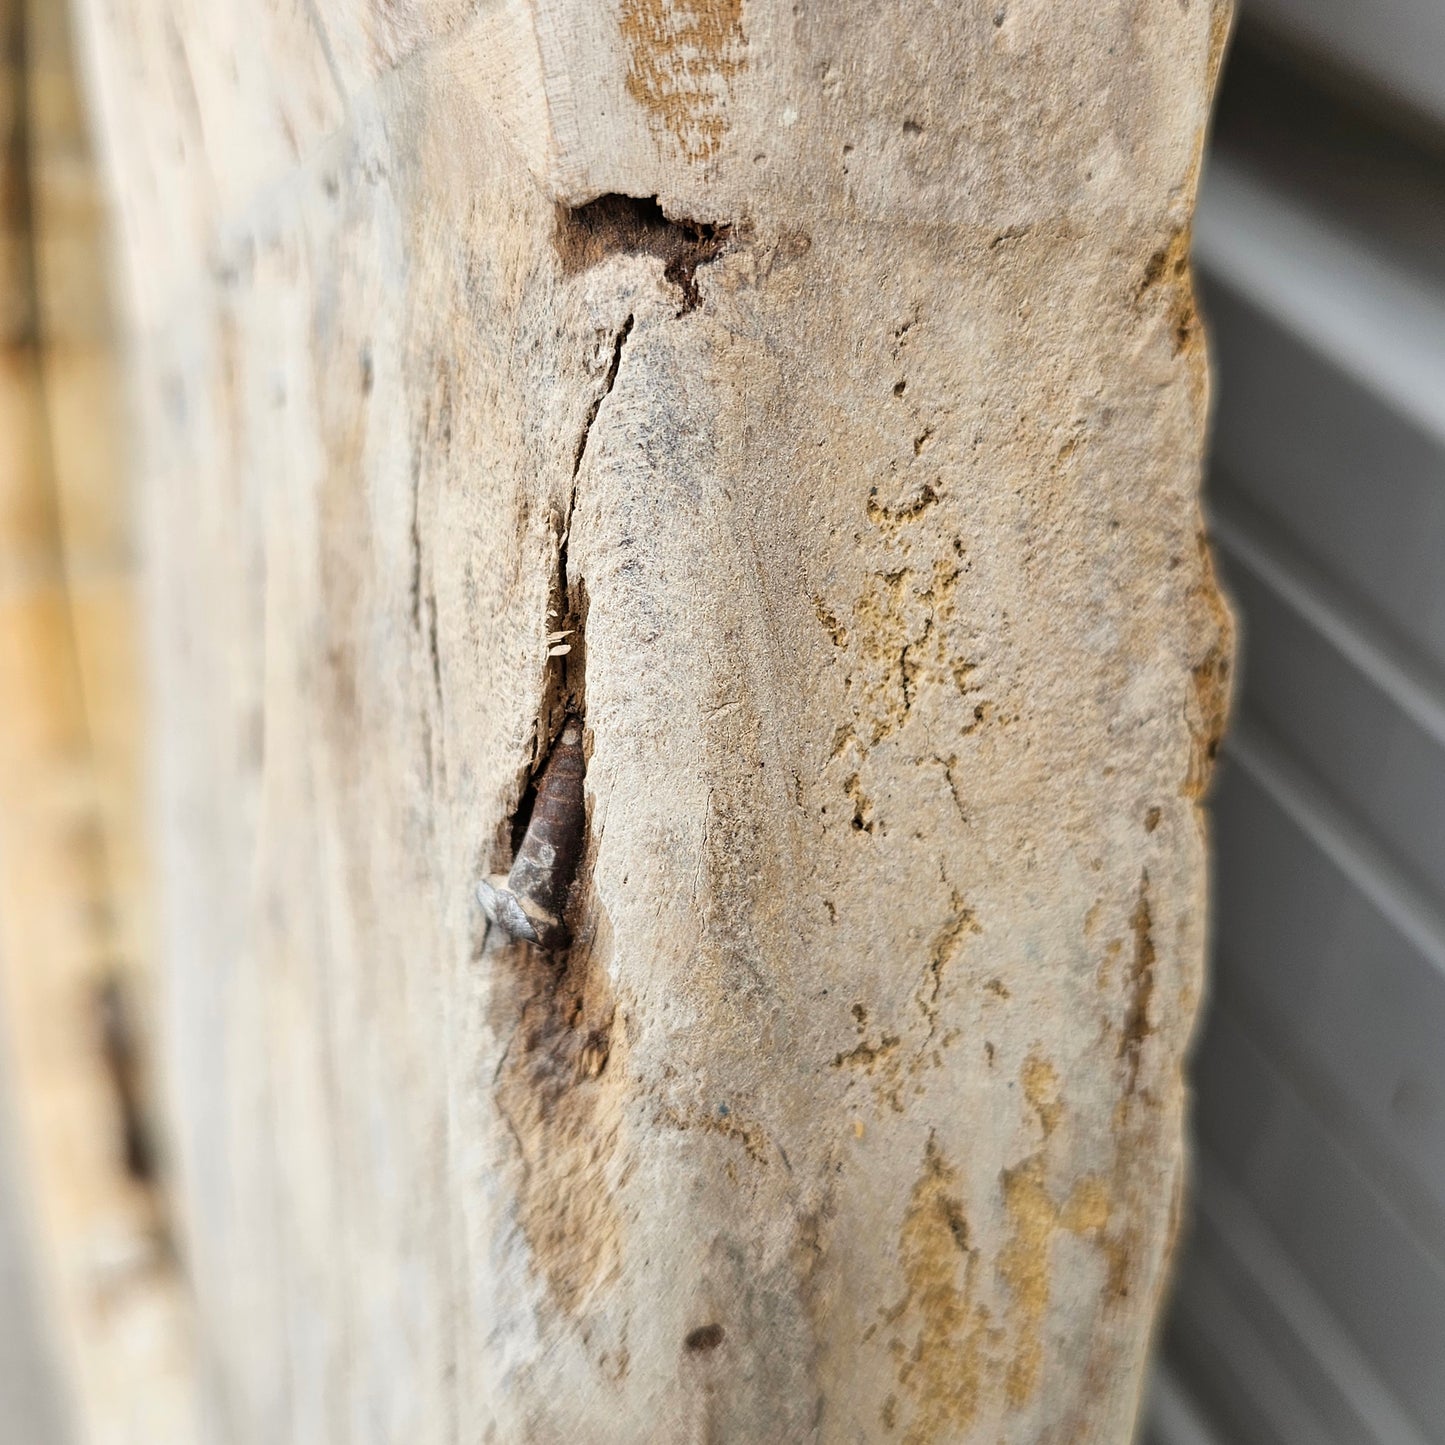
{"x": 1310, "y": 1304}
{"x": 1397, "y": 44}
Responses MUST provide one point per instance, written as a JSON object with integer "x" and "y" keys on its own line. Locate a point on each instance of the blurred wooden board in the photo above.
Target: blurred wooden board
{"x": 73, "y": 887}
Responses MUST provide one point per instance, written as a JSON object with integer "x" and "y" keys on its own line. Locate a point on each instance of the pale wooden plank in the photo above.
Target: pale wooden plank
{"x": 832, "y": 380}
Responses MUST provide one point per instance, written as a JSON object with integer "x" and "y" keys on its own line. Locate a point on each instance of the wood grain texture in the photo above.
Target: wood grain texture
{"x": 830, "y": 375}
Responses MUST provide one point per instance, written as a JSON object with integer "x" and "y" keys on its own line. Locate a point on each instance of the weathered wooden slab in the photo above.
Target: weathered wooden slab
{"x": 829, "y": 374}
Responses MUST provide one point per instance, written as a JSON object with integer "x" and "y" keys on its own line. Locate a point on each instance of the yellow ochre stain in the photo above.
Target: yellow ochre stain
{"x": 942, "y": 1370}
{"x": 682, "y": 56}
{"x": 1026, "y": 1264}
{"x": 1041, "y": 1089}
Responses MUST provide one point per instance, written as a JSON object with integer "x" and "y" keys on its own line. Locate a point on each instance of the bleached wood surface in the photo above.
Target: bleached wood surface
{"x": 830, "y": 374}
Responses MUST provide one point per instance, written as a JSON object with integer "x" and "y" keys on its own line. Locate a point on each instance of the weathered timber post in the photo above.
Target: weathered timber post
{"x": 809, "y": 399}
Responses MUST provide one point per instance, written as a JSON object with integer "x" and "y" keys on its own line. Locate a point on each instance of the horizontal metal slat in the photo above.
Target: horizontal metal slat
{"x": 1339, "y": 1226}
{"x": 1171, "y": 1415}
{"x": 1412, "y": 683}
{"x": 1352, "y": 490}
{"x": 1394, "y": 47}
{"x": 1373, "y": 319}
{"x": 1305, "y": 947}
{"x": 1399, "y": 899}
{"x": 1382, "y": 767}
{"x": 1277, "y": 1341}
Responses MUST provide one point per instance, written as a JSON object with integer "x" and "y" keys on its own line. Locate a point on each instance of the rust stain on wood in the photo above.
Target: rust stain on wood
{"x": 682, "y": 57}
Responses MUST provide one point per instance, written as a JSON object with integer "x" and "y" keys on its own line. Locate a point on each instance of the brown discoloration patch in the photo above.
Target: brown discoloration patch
{"x": 960, "y": 924}
{"x": 559, "y": 1089}
{"x": 863, "y": 820}
{"x": 1132, "y": 1256}
{"x": 890, "y": 516}
{"x": 681, "y": 58}
{"x": 1026, "y": 1262}
{"x": 123, "y": 1057}
{"x": 902, "y": 644}
{"x": 703, "y": 1340}
{"x": 751, "y": 1139}
{"x": 1209, "y": 712}
{"x": 1041, "y": 1089}
{"x": 880, "y": 1061}
{"x": 1137, "y": 1026}
{"x": 942, "y": 1371}
{"x": 1207, "y": 705}
{"x": 1167, "y": 274}
{"x": 1112, "y": 951}
{"x": 867, "y": 1056}
{"x": 834, "y": 628}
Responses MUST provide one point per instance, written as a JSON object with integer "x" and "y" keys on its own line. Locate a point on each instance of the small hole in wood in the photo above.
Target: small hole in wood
{"x": 702, "y": 1339}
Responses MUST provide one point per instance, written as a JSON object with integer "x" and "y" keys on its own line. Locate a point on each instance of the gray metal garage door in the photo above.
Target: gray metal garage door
{"x": 1311, "y": 1293}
